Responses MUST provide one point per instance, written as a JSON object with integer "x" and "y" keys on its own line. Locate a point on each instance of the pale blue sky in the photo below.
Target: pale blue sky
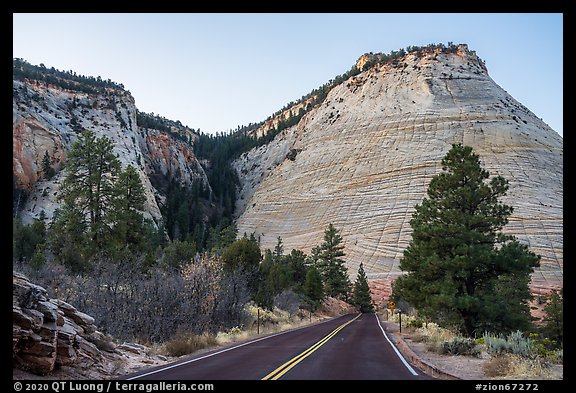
{"x": 218, "y": 71}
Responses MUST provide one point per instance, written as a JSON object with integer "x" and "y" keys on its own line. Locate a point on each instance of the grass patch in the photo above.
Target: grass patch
{"x": 270, "y": 322}
{"x": 185, "y": 343}
{"x": 513, "y": 366}
{"x": 435, "y": 337}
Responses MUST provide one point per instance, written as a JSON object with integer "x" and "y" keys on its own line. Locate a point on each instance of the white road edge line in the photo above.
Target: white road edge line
{"x": 224, "y": 350}
{"x": 395, "y": 349}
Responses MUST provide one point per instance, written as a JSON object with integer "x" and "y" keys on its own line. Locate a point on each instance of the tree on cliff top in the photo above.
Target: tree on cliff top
{"x": 461, "y": 269}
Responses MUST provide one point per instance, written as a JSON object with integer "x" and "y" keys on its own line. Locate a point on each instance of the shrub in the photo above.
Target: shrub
{"x": 519, "y": 345}
{"x": 515, "y": 343}
{"x": 433, "y": 336}
{"x": 495, "y": 344}
{"x": 415, "y": 323}
{"x": 559, "y": 356}
{"x": 460, "y": 346}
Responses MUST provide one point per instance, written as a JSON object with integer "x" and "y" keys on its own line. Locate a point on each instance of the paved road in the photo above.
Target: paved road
{"x": 349, "y": 347}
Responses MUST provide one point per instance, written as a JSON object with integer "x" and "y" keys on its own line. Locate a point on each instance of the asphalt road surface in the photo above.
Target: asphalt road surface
{"x": 352, "y": 346}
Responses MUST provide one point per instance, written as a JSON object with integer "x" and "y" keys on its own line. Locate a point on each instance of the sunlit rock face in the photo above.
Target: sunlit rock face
{"x": 364, "y": 158}
{"x": 47, "y": 119}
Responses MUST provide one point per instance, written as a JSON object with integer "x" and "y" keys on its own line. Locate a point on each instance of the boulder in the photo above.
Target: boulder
{"x": 48, "y": 331}
{"x": 49, "y": 309}
{"x": 36, "y": 316}
{"x": 67, "y": 333}
{"x": 65, "y": 353}
{"x": 133, "y": 347}
{"x": 102, "y": 342}
{"x": 20, "y": 318}
{"x": 50, "y": 336}
{"x": 63, "y": 306}
{"x": 81, "y": 319}
{"x": 87, "y": 348}
{"x": 36, "y": 364}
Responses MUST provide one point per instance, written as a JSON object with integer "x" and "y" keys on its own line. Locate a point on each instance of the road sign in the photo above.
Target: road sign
{"x": 391, "y": 305}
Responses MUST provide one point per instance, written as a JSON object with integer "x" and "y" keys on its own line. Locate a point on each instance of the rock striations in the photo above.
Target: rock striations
{"x": 361, "y": 160}
{"x": 364, "y": 158}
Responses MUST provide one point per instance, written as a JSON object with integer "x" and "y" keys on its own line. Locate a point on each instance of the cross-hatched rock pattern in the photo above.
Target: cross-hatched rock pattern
{"x": 365, "y": 157}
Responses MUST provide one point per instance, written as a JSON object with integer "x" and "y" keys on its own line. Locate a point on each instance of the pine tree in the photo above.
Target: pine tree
{"x": 241, "y": 253}
{"x": 554, "y": 317}
{"x": 279, "y": 250}
{"x": 461, "y": 269}
{"x": 27, "y": 238}
{"x": 264, "y": 296}
{"x": 362, "y": 297}
{"x": 68, "y": 238}
{"x": 89, "y": 183}
{"x": 313, "y": 289}
{"x": 38, "y": 259}
{"x": 296, "y": 262}
{"x": 336, "y": 280}
{"x": 128, "y": 202}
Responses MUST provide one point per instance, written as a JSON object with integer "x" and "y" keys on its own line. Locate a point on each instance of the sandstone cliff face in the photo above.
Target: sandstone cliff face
{"x": 47, "y": 118}
{"x": 365, "y": 157}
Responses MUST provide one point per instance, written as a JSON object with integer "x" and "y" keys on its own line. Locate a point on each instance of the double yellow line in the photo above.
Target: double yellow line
{"x": 290, "y": 364}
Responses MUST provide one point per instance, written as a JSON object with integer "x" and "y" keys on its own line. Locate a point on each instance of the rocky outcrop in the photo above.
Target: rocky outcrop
{"x": 365, "y": 158}
{"x": 48, "y": 118}
{"x": 167, "y": 157}
{"x": 273, "y": 122}
{"x": 49, "y": 335}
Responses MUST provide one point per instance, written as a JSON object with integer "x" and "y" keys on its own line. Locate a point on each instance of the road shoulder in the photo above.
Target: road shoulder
{"x": 435, "y": 365}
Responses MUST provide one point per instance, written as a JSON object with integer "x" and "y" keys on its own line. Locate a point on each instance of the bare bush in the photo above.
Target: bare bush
{"x": 131, "y": 301}
{"x": 289, "y": 301}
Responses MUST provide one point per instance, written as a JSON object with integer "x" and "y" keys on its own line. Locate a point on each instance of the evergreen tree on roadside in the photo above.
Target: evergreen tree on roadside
{"x": 264, "y": 296}
{"x": 313, "y": 289}
{"x": 296, "y": 262}
{"x": 362, "y": 297}
{"x": 332, "y": 266}
{"x": 554, "y": 317}
{"x": 461, "y": 269}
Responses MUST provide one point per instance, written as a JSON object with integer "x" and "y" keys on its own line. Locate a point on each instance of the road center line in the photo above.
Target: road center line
{"x": 224, "y": 350}
{"x": 290, "y": 364}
